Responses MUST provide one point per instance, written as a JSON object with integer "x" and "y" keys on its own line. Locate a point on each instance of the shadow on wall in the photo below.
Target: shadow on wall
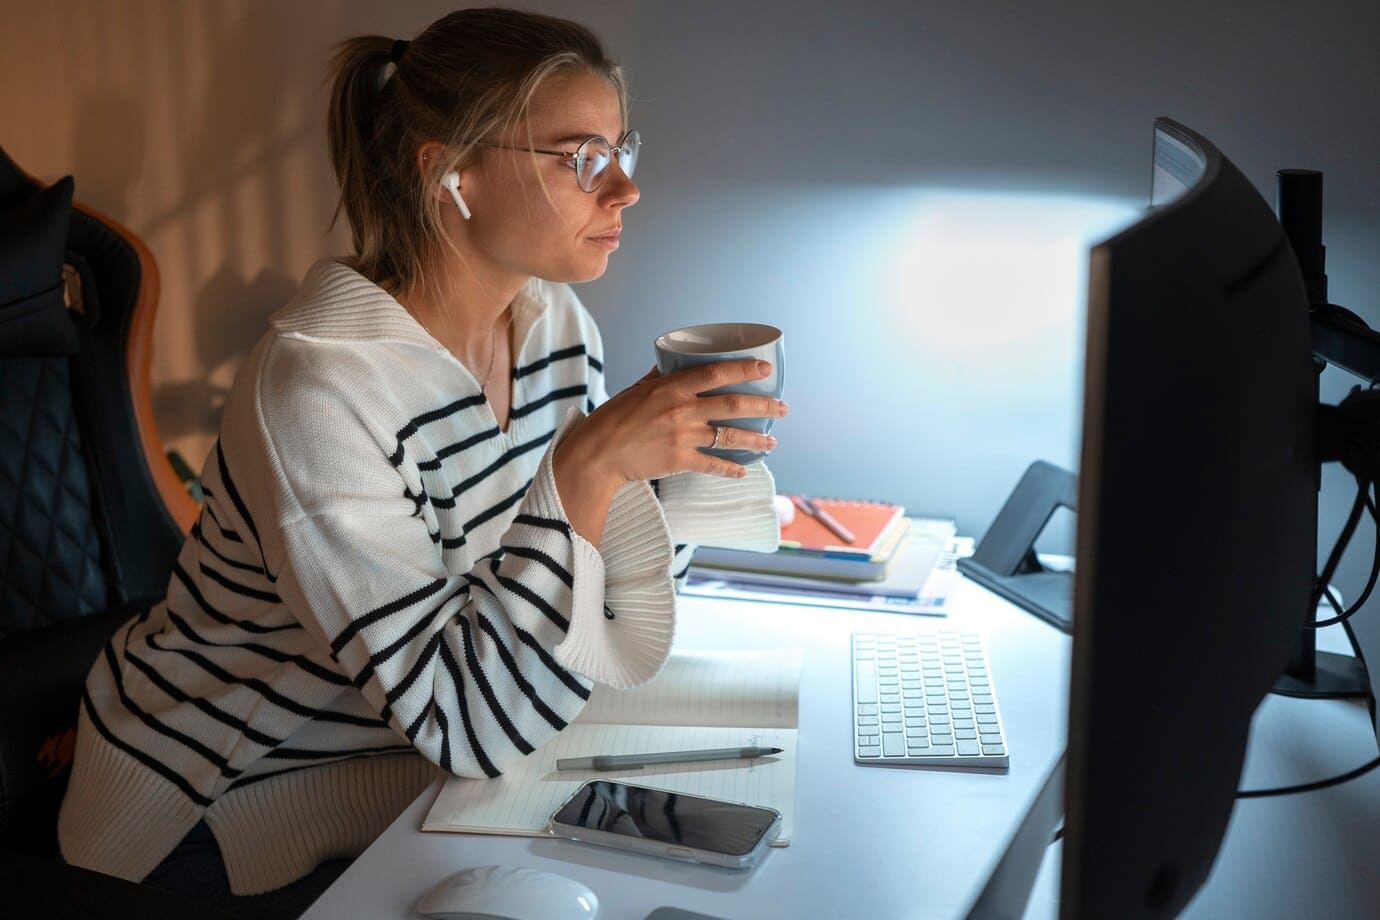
{"x": 226, "y": 145}
{"x": 108, "y": 148}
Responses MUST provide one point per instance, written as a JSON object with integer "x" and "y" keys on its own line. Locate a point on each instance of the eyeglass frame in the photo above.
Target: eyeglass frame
{"x": 614, "y": 149}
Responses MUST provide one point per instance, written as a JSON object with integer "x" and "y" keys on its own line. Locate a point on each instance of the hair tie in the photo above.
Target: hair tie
{"x": 399, "y": 47}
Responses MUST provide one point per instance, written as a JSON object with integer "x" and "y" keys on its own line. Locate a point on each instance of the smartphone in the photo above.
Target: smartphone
{"x": 671, "y": 824}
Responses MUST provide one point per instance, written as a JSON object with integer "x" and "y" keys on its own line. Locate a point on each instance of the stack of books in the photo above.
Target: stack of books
{"x": 884, "y": 541}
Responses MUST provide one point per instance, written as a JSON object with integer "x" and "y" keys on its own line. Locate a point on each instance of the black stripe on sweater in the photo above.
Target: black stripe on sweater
{"x": 507, "y": 457}
{"x": 424, "y": 660}
{"x": 240, "y": 506}
{"x": 245, "y": 590}
{"x": 485, "y": 690}
{"x": 263, "y": 689}
{"x": 371, "y": 666}
{"x": 545, "y": 711}
{"x": 549, "y": 523}
{"x": 458, "y": 447}
{"x": 167, "y": 773}
{"x": 182, "y": 738}
{"x": 480, "y": 756}
{"x": 536, "y": 600}
{"x": 561, "y": 673}
{"x": 225, "y": 532}
{"x": 553, "y": 396}
{"x": 248, "y": 626}
{"x": 558, "y": 355}
{"x": 494, "y": 511}
{"x": 215, "y": 712}
{"x": 264, "y": 651}
{"x": 387, "y": 610}
{"x": 443, "y": 724}
{"x": 260, "y": 777}
{"x": 433, "y": 415}
{"x": 415, "y": 728}
{"x": 526, "y": 552}
{"x": 291, "y": 753}
{"x": 201, "y": 540}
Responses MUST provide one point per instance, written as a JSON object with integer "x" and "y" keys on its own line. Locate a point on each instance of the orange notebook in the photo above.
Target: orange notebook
{"x": 871, "y": 523}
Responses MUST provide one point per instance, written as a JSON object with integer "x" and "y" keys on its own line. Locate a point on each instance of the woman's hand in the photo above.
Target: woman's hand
{"x": 655, "y": 428}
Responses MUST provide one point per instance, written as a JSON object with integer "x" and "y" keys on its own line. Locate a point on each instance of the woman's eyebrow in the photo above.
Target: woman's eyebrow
{"x": 576, "y": 138}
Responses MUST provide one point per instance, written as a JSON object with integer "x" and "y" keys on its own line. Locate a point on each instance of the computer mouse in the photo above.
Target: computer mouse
{"x": 508, "y": 893}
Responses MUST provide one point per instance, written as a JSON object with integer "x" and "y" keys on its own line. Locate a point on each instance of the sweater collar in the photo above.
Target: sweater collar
{"x": 338, "y": 304}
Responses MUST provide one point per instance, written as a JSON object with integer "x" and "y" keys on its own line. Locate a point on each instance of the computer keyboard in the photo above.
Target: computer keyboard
{"x": 925, "y": 700}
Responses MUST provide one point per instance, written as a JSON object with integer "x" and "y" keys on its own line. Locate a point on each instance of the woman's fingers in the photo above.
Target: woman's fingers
{"x": 740, "y": 405}
{"x": 730, "y": 438}
{"x": 722, "y": 374}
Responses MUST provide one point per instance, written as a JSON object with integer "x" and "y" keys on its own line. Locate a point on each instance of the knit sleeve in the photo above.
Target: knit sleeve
{"x": 479, "y": 668}
{"x": 702, "y": 509}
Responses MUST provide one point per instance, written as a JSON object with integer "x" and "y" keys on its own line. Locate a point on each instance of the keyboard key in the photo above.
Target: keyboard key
{"x": 889, "y": 717}
{"x": 867, "y": 709}
{"x": 891, "y": 707}
{"x": 870, "y": 750}
{"x": 866, "y": 720}
{"x": 969, "y": 748}
{"x": 940, "y": 751}
{"x": 993, "y": 750}
{"x": 964, "y": 734}
{"x": 869, "y": 730}
{"x": 985, "y": 718}
{"x": 893, "y": 746}
{"x": 866, "y": 674}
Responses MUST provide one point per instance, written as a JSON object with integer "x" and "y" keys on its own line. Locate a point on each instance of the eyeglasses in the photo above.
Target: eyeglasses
{"x": 592, "y": 157}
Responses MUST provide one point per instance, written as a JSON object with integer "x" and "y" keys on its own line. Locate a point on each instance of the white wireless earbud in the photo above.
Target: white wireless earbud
{"x": 451, "y": 181}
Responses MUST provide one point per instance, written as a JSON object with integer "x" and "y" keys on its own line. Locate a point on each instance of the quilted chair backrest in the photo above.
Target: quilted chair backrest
{"x": 84, "y": 525}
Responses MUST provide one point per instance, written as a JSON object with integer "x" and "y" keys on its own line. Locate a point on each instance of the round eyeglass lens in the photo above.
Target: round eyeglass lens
{"x": 590, "y": 161}
{"x": 627, "y": 152}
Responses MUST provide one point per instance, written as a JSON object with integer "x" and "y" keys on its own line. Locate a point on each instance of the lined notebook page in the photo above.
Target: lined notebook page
{"x": 522, "y": 801}
{"x": 744, "y": 688}
{"x": 700, "y": 700}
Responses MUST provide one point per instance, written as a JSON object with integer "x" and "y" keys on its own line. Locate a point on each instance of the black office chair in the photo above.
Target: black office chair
{"x": 91, "y": 515}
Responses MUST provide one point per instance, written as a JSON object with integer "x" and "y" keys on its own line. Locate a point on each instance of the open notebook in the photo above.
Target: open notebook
{"x": 700, "y": 700}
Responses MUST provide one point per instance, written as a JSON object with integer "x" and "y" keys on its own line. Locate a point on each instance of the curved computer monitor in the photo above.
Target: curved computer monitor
{"x": 1197, "y": 520}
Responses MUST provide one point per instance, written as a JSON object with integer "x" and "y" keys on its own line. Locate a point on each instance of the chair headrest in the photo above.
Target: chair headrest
{"x": 34, "y": 319}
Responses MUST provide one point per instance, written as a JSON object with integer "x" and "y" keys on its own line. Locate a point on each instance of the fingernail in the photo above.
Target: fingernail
{"x": 763, "y": 368}
{"x": 771, "y": 442}
{"x": 784, "y": 408}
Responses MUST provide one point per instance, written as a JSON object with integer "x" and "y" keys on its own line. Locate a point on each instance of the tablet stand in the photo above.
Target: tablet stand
{"x": 1005, "y": 561}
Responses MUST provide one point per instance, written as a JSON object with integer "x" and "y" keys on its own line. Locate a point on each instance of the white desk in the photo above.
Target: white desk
{"x": 876, "y": 842}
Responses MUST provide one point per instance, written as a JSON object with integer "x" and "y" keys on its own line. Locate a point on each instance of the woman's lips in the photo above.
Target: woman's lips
{"x": 608, "y": 241}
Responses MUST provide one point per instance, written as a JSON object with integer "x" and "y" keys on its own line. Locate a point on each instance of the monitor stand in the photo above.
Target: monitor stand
{"x": 1005, "y": 561}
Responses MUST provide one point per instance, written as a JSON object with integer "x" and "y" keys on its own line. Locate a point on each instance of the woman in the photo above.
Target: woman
{"x": 427, "y": 530}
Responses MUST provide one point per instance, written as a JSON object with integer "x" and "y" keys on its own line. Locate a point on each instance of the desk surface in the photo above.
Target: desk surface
{"x": 884, "y": 842}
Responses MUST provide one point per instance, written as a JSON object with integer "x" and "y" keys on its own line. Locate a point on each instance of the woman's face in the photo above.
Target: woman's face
{"x": 562, "y": 233}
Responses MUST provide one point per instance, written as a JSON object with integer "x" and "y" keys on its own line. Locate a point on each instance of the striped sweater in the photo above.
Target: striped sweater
{"x": 379, "y": 572}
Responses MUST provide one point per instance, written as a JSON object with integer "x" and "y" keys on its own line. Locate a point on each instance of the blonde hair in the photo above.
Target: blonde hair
{"x": 468, "y": 77}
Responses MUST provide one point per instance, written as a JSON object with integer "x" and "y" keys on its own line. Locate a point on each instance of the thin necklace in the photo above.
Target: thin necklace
{"x": 493, "y": 351}
{"x": 493, "y": 347}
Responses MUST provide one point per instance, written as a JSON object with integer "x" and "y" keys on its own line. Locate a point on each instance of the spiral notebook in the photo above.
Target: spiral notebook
{"x": 701, "y": 700}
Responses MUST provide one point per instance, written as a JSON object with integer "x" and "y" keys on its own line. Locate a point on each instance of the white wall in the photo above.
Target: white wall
{"x": 906, "y": 188}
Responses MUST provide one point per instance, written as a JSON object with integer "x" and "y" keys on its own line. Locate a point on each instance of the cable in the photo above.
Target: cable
{"x": 1344, "y": 538}
{"x": 1310, "y": 787}
{"x": 1344, "y": 615}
